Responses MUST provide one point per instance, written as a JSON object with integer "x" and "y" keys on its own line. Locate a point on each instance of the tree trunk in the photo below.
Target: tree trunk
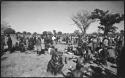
{"x": 83, "y": 34}
{"x": 106, "y": 31}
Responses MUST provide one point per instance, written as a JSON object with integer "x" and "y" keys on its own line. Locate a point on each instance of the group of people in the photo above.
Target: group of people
{"x": 96, "y": 49}
{"x": 93, "y": 49}
{"x": 99, "y": 50}
{"x": 14, "y": 42}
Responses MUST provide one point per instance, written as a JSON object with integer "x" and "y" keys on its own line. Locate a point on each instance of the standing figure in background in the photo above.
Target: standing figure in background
{"x": 38, "y": 45}
{"x": 54, "y": 39}
{"x": 27, "y": 42}
{"x": 22, "y": 45}
{"x": 95, "y": 45}
{"x": 9, "y": 43}
{"x": 2, "y": 43}
{"x": 42, "y": 45}
{"x": 30, "y": 45}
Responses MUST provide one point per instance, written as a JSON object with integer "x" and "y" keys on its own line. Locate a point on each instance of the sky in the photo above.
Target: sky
{"x": 39, "y": 16}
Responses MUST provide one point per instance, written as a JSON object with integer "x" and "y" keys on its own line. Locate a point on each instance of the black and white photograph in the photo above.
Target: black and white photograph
{"x": 62, "y": 39}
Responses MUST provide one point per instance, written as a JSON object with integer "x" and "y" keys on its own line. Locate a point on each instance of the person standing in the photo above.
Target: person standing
{"x": 9, "y": 43}
{"x": 67, "y": 39}
{"x": 30, "y": 45}
{"x": 21, "y": 44}
{"x": 38, "y": 45}
{"x": 27, "y": 42}
{"x": 54, "y": 38}
{"x": 2, "y": 43}
{"x": 95, "y": 43}
{"x": 42, "y": 45}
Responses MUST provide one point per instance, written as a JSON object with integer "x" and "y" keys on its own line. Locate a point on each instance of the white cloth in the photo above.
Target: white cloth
{"x": 6, "y": 47}
{"x": 101, "y": 38}
{"x": 49, "y": 50}
{"x": 37, "y": 48}
{"x": 106, "y": 42}
{"x": 43, "y": 46}
{"x": 95, "y": 40}
{"x": 53, "y": 38}
{"x": 42, "y": 41}
{"x": 112, "y": 53}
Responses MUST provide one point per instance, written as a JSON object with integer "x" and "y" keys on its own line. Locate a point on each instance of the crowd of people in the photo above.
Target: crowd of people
{"x": 93, "y": 48}
{"x": 23, "y": 43}
{"x": 97, "y": 50}
{"x": 16, "y": 42}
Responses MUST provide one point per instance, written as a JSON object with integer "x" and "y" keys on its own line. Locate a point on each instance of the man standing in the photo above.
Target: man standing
{"x": 9, "y": 43}
{"x": 95, "y": 43}
{"x": 2, "y": 43}
{"x": 38, "y": 45}
{"x": 42, "y": 45}
{"x": 53, "y": 38}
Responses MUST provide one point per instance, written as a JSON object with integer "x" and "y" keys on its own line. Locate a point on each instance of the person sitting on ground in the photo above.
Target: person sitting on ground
{"x": 69, "y": 48}
{"x": 55, "y": 65}
{"x": 79, "y": 62}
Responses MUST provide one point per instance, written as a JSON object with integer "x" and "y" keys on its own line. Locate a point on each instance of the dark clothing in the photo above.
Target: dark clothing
{"x": 9, "y": 43}
{"x": 55, "y": 65}
{"x": 80, "y": 62}
{"x": 79, "y": 50}
{"x": 21, "y": 45}
{"x": 31, "y": 44}
{"x": 2, "y": 43}
{"x": 34, "y": 40}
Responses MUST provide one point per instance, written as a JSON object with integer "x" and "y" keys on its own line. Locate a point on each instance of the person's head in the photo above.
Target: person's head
{"x": 52, "y": 46}
{"x": 69, "y": 44}
{"x": 39, "y": 38}
{"x": 56, "y": 49}
{"x": 8, "y": 35}
{"x": 42, "y": 37}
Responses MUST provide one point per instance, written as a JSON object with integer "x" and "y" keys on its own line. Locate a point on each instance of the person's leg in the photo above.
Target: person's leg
{"x": 65, "y": 60}
{"x": 9, "y": 48}
{"x": 60, "y": 69}
{"x": 37, "y": 49}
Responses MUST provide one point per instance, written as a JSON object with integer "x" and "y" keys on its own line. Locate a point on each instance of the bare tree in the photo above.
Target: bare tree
{"x": 82, "y": 20}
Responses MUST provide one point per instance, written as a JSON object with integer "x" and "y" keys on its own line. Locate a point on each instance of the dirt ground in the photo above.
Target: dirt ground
{"x": 29, "y": 64}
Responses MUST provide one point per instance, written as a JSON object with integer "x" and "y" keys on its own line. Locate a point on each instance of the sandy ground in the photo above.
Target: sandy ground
{"x": 29, "y": 64}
